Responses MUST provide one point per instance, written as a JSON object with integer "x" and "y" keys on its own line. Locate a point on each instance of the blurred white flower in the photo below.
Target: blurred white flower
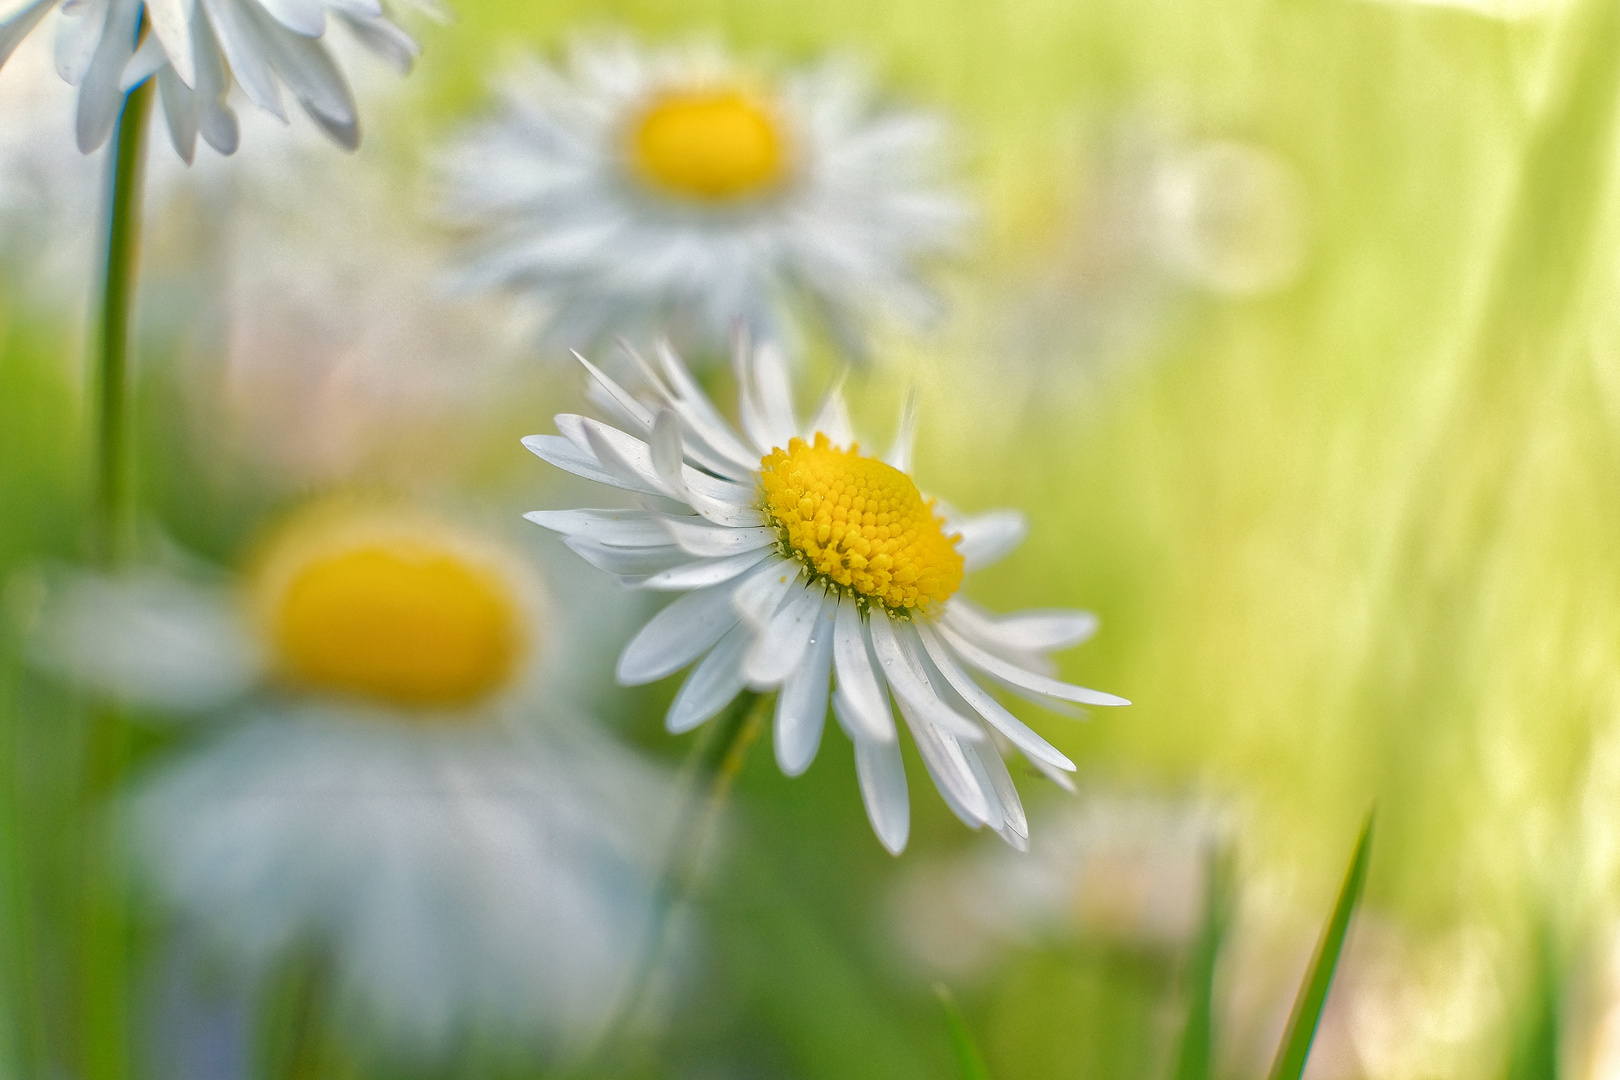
{"x": 199, "y": 49}
{"x": 1121, "y": 868}
{"x": 803, "y": 562}
{"x": 677, "y": 192}
{"x": 1229, "y": 217}
{"x": 395, "y": 777}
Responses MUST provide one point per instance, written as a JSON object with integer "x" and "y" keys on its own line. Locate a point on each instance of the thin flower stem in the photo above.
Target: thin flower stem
{"x": 128, "y": 156}
{"x": 104, "y": 941}
{"x": 707, "y": 781}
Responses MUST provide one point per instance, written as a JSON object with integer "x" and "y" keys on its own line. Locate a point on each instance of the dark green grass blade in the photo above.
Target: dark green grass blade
{"x": 1296, "y": 1044}
{"x": 968, "y": 1061}
{"x": 1194, "y": 1060}
{"x": 1535, "y": 1048}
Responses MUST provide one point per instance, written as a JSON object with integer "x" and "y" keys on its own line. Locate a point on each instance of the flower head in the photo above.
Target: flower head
{"x": 818, "y": 571}
{"x": 392, "y": 775}
{"x": 640, "y": 191}
{"x": 197, "y": 50}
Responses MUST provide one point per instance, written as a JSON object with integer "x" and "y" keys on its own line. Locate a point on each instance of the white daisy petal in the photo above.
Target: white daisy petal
{"x": 858, "y": 681}
{"x": 946, "y": 764}
{"x": 180, "y": 110}
{"x": 305, "y": 17}
{"x": 899, "y": 455}
{"x": 145, "y": 63}
{"x": 758, "y": 599}
{"x": 699, "y": 413}
{"x": 779, "y": 650}
{"x": 215, "y": 120}
{"x": 100, "y": 98}
{"x": 171, "y": 25}
{"x": 1016, "y": 676}
{"x": 562, "y": 453}
{"x": 706, "y": 572}
{"x": 149, "y": 640}
{"x": 1029, "y": 632}
{"x": 712, "y": 684}
{"x": 882, "y": 776}
{"x": 775, "y": 394}
{"x": 311, "y": 74}
{"x": 77, "y": 35}
{"x": 630, "y": 460}
{"x": 635, "y": 562}
{"x": 801, "y": 705}
{"x": 388, "y": 41}
{"x": 614, "y": 528}
{"x": 990, "y": 537}
{"x": 832, "y": 419}
{"x": 1020, "y": 734}
{"x": 994, "y": 777}
{"x": 679, "y": 634}
{"x": 244, "y": 51}
{"x": 697, "y": 538}
{"x": 622, "y": 398}
{"x": 910, "y": 683}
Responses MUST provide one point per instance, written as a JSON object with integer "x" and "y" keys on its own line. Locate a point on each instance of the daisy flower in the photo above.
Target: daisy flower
{"x": 812, "y": 569}
{"x": 199, "y": 49}
{"x": 678, "y": 190}
{"x": 389, "y": 776}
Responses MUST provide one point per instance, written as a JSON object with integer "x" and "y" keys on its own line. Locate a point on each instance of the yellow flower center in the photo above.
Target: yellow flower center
{"x": 394, "y": 616}
{"x": 861, "y": 525}
{"x": 712, "y": 145}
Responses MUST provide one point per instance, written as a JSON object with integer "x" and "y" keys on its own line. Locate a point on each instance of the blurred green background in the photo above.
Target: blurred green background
{"x": 1351, "y": 538}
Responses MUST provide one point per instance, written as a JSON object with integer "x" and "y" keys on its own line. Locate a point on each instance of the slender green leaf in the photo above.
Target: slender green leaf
{"x": 1194, "y": 1060}
{"x": 1535, "y": 1047}
{"x": 968, "y": 1061}
{"x": 1313, "y": 992}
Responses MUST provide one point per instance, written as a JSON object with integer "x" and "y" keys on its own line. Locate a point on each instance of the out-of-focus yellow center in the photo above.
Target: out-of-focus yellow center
{"x": 861, "y": 525}
{"x": 713, "y": 145}
{"x": 395, "y": 617}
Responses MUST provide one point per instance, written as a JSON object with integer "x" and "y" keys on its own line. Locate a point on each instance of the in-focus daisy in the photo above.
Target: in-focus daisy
{"x": 679, "y": 191}
{"x": 199, "y": 49}
{"x": 391, "y": 776}
{"x": 808, "y": 568}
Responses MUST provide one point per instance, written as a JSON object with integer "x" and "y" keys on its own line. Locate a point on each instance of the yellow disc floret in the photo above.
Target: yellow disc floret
{"x": 861, "y": 525}
{"x": 401, "y": 614}
{"x": 714, "y": 145}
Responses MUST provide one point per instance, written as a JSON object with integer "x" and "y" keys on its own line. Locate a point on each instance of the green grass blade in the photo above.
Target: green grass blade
{"x": 1193, "y": 1062}
{"x": 968, "y": 1061}
{"x": 1535, "y": 1048}
{"x": 1313, "y": 992}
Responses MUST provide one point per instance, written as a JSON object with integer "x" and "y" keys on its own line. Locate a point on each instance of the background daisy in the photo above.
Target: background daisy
{"x": 679, "y": 191}
{"x": 804, "y": 563}
{"x": 394, "y": 776}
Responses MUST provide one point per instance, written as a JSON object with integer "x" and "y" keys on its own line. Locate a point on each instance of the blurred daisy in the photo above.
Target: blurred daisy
{"x": 198, "y": 49}
{"x": 804, "y": 563}
{"x": 1130, "y": 869}
{"x": 680, "y": 192}
{"x": 398, "y": 785}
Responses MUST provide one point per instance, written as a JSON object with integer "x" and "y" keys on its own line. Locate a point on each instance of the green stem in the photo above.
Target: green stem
{"x": 709, "y": 775}
{"x": 128, "y": 155}
{"x": 105, "y": 931}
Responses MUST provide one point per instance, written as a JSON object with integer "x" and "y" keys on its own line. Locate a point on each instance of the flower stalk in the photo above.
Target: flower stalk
{"x": 104, "y": 989}
{"x": 111, "y": 378}
{"x": 710, "y": 774}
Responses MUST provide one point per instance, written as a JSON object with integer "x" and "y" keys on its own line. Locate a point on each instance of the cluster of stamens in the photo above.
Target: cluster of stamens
{"x": 860, "y": 526}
